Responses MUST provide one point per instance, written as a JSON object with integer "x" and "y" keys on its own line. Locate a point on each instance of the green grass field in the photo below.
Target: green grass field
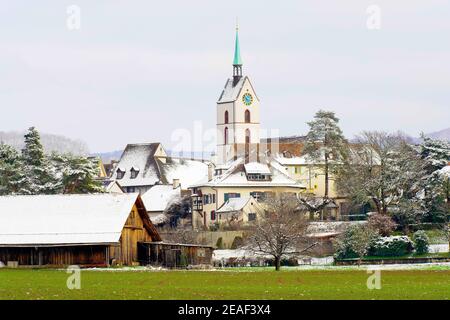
{"x": 229, "y": 284}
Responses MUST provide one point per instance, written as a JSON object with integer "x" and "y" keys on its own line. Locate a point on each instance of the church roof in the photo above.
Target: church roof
{"x": 231, "y": 92}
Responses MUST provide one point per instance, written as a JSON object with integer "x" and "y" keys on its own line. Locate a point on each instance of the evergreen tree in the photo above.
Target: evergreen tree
{"x": 40, "y": 175}
{"x": 436, "y": 155}
{"x": 77, "y": 174}
{"x": 325, "y": 143}
{"x": 12, "y": 177}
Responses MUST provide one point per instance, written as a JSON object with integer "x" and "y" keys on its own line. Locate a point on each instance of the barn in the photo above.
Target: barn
{"x": 87, "y": 230}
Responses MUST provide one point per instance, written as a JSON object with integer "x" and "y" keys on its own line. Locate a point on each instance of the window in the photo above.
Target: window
{"x": 247, "y": 136}
{"x": 258, "y": 177}
{"x": 251, "y": 216}
{"x": 226, "y": 116}
{"x": 227, "y": 196}
{"x": 213, "y": 215}
{"x": 247, "y": 116}
{"x": 134, "y": 173}
{"x": 259, "y": 196}
{"x": 131, "y": 189}
{"x": 225, "y": 136}
{"x": 213, "y": 198}
{"x": 120, "y": 174}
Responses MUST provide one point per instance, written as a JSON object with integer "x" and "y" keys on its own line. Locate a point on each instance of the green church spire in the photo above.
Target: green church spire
{"x": 237, "y": 50}
{"x": 237, "y": 61}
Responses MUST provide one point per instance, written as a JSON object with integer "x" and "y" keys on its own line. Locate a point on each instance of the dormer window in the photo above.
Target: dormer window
{"x": 258, "y": 177}
{"x": 120, "y": 173}
{"x": 134, "y": 173}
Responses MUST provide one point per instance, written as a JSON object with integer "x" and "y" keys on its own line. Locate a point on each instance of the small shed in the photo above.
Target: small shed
{"x": 175, "y": 255}
{"x": 87, "y": 230}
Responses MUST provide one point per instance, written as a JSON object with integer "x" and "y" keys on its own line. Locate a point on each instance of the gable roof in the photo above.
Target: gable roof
{"x": 236, "y": 176}
{"x": 160, "y": 196}
{"x": 188, "y": 171}
{"x": 235, "y": 204}
{"x": 231, "y": 92}
{"x": 141, "y": 157}
{"x": 67, "y": 219}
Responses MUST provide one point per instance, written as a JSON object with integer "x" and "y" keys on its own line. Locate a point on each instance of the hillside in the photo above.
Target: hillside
{"x": 51, "y": 143}
{"x": 441, "y": 135}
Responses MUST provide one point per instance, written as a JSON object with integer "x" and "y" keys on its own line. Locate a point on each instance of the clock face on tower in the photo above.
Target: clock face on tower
{"x": 247, "y": 99}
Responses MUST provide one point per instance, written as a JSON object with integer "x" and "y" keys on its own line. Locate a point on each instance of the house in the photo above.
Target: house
{"x": 92, "y": 230}
{"x": 239, "y": 179}
{"x": 239, "y": 211}
{"x": 145, "y": 165}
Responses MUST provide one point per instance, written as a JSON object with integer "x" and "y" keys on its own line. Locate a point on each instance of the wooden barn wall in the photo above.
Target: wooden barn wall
{"x": 58, "y": 256}
{"x": 132, "y": 233}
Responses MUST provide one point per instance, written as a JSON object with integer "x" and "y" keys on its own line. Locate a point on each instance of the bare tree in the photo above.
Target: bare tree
{"x": 282, "y": 232}
{"x": 382, "y": 168}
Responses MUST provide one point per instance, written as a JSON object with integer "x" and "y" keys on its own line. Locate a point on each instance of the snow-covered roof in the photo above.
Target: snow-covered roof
{"x": 159, "y": 197}
{"x": 445, "y": 171}
{"x": 234, "y": 204}
{"x": 293, "y": 161}
{"x": 230, "y": 93}
{"x": 140, "y": 157}
{"x": 188, "y": 172}
{"x": 257, "y": 168}
{"x": 158, "y": 218}
{"x": 236, "y": 177}
{"x": 64, "y": 219}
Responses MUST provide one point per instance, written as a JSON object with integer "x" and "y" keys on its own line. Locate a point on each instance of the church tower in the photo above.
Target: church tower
{"x": 237, "y": 116}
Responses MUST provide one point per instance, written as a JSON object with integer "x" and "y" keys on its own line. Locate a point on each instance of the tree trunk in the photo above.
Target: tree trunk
{"x": 277, "y": 263}
{"x": 326, "y": 175}
{"x": 377, "y": 205}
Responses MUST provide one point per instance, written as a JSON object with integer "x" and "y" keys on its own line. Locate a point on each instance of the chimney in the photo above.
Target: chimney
{"x": 210, "y": 171}
{"x": 176, "y": 183}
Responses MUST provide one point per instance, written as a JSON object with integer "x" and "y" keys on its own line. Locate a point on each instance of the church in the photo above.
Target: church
{"x": 243, "y": 166}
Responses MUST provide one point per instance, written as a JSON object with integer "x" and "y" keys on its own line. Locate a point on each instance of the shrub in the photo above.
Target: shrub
{"x": 391, "y": 246}
{"x": 382, "y": 223}
{"x": 421, "y": 242}
{"x": 354, "y": 242}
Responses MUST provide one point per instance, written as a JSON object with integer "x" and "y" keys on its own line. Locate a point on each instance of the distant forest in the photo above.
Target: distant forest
{"x": 51, "y": 143}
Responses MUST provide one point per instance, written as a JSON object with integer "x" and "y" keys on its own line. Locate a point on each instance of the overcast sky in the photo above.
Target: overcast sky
{"x": 138, "y": 70}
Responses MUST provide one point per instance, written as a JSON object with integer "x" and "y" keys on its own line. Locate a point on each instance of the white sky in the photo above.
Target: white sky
{"x": 139, "y": 70}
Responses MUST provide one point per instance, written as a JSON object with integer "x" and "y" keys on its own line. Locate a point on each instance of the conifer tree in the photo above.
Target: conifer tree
{"x": 40, "y": 175}
{"x": 12, "y": 177}
{"x": 325, "y": 143}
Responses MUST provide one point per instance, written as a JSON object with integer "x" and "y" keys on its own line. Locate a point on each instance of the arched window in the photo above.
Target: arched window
{"x": 225, "y": 136}
{"x": 247, "y": 116}
{"x": 247, "y": 136}
{"x": 226, "y": 116}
